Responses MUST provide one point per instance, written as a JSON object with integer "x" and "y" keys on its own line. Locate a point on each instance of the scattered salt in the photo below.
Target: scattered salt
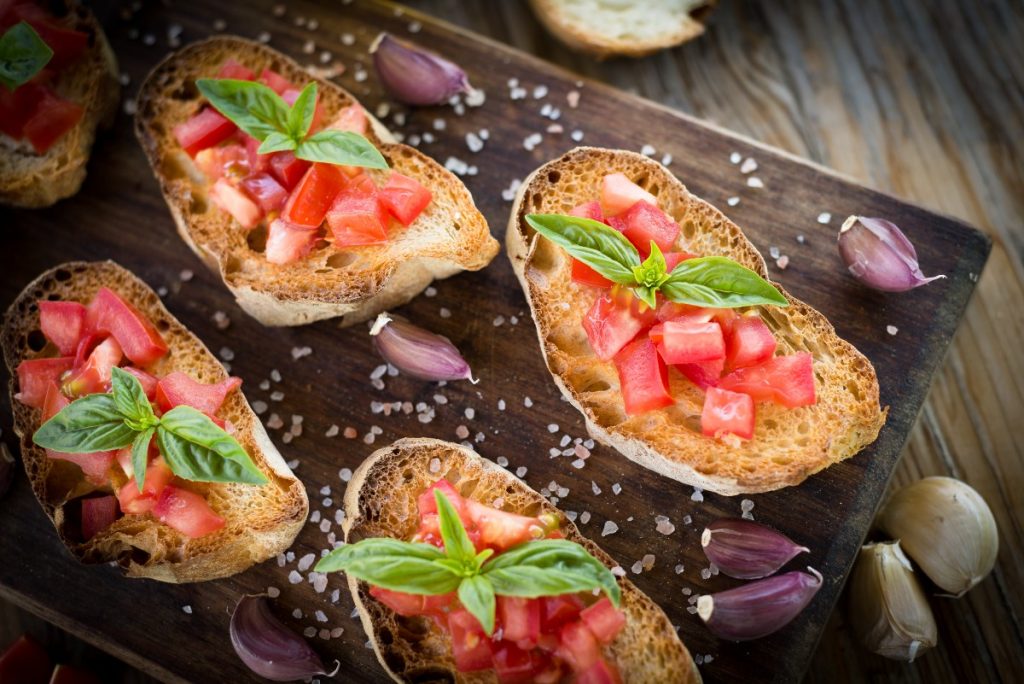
{"x": 609, "y": 528}
{"x": 576, "y": 135}
{"x": 824, "y": 217}
{"x": 585, "y": 517}
{"x": 679, "y": 571}
{"x": 595, "y": 488}
{"x": 521, "y": 471}
{"x": 755, "y": 182}
{"x": 648, "y": 561}
{"x": 616, "y": 489}
{"x": 732, "y": 201}
{"x": 187, "y": 610}
{"x": 637, "y": 568}
{"x": 748, "y": 165}
{"x": 735, "y": 158}
{"x": 332, "y": 431}
{"x": 306, "y": 562}
{"x": 698, "y": 494}
{"x": 294, "y": 577}
{"x": 345, "y": 474}
{"x": 891, "y": 329}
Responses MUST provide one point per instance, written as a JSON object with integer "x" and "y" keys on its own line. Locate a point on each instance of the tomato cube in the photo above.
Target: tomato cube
{"x": 54, "y": 401}
{"x": 673, "y": 259}
{"x": 558, "y": 610}
{"x": 725, "y": 317}
{"x": 589, "y": 210}
{"x": 288, "y": 169}
{"x": 703, "y": 375}
{"x": 292, "y": 94}
{"x": 643, "y": 377}
{"x": 404, "y": 198}
{"x": 231, "y": 161}
{"x": 232, "y": 69}
{"x": 314, "y": 195}
{"x": 427, "y": 503}
{"x": 515, "y": 665}
{"x": 612, "y": 322}
{"x": 187, "y": 512}
{"x": 67, "y": 44}
{"x": 578, "y": 646}
{"x": 206, "y": 129}
{"x": 94, "y": 374}
{"x": 62, "y": 324}
{"x": 35, "y": 376}
{"x": 686, "y": 341}
{"x": 351, "y": 118}
{"x": 727, "y": 412}
{"x": 17, "y": 107}
{"x": 138, "y": 337}
{"x": 645, "y": 223}
{"x": 158, "y": 476}
{"x": 471, "y": 647}
{"x": 618, "y": 194}
{"x": 275, "y": 81}
{"x": 237, "y": 203}
{"x": 751, "y": 342}
{"x": 264, "y": 188}
{"x": 98, "y": 513}
{"x": 501, "y": 530}
{"x": 25, "y": 662}
{"x": 785, "y": 380}
{"x": 258, "y": 163}
{"x": 599, "y": 673}
{"x": 179, "y": 389}
{"x": 95, "y": 466}
{"x": 356, "y": 220}
{"x": 408, "y": 605}
{"x": 604, "y": 620}
{"x": 54, "y": 116}
{"x": 519, "y": 618}
{"x": 147, "y": 381}
{"x": 287, "y": 242}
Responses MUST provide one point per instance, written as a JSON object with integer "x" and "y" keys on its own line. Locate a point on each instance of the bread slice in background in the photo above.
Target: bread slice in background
{"x": 31, "y": 180}
{"x": 380, "y": 501}
{"x": 788, "y": 445}
{"x": 260, "y": 521}
{"x": 631, "y": 28}
{"x": 449, "y": 236}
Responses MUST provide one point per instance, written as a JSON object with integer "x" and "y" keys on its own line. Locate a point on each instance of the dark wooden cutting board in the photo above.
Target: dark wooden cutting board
{"x": 180, "y": 632}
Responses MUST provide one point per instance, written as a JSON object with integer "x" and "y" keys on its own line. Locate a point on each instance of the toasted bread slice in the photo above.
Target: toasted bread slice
{"x": 260, "y": 521}
{"x": 449, "y": 236}
{"x": 381, "y": 502}
{"x": 604, "y": 28}
{"x": 788, "y": 444}
{"x": 31, "y": 180}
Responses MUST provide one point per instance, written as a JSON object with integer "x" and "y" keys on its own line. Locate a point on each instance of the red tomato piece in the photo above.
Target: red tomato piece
{"x": 751, "y": 342}
{"x": 581, "y": 273}
{"x": 673, "y": 259}
{"x": 258, "y": 163}
{"x": 645, "y": 222}
{"x": 231, "y": 161}
{"x": 147, "y": 381}
{"x": 704, "y": 374}
{"x": 613, "y": 321}
{"x": 314, "y": 195}
{"x": 515, "y": 665}
{"x": 138, "y": 337}
{"x": 98, "y": 513}
{"x": 67, "y": 44}
{"x": 427, "y": 503}
{"x": 558, "y": 610}
{"x": 54, "y": 116}
{"x": 177, "y": 389}
{"x": 470, "y": 645}
{"x": 187, "y": 512}
{"x": 727, "y": 412}
{"x": 62, "y": 324}
{"x": 25, "y": 662}
{"x": 404, "y": 198}
{"x": 206, "y": 129}
{"x": 94, "y": 375}
{"x": 54, "y": 401}
{"x": 35, "y": 376}
{"x": 95, "y": 466}
{"x": 237, "y": 203}
{"x": 618, "y": 194}
{"x": 578, "y": 646}
{"x": 519, "y": 619}
{"x": 275, "y": 81}
{"x": 785, "y": 380}
{"x": 292, "y": 94}
{"x": 686, "y": 341}
{"x": 599, "y": 673}
{"x": 17, "y": 107}
{"x": 232, "y": 69}
{"x": 264, "y": 188}
{"x": 604, "y": 620}
{"x": 501, "y": 530}
{"x": 66, "y": 674}
{"x": 589, "y": 210}
{"x": 412, "y": 604}
{"x": 725, "y": 317}
{"x": 356, "y": 220}
{"x": 351, "y": 118}
{"x": 158, "y": 476}
{"x": 287, "y": 168}
{"x": 643, "y": 377}
{"x": 287, "y": 242}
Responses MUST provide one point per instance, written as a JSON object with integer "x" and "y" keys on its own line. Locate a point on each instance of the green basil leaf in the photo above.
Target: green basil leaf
{"x": 140, "y": 455}
{"x": 341, "y": 147}
{"x": 654, "y": 270}
{"x": 647, "y": 295}
{"x": 549, "y": 567}
{"x": 196, "y": 449}
{"x": 601, "y": 248}
{"x": 85, "y": 426}
{"x": 719, "y": 282}
{"x": 23, "y": 54}
{"x": 300, "y": 116}
{"x": 457, "y": 544}
{"x": 393, "y": 564}
{"x": 276, "y": 142}
{"x": 377, "y": 547}
{"x": 252, "y": 106}
{"x": 130, "y": 399}
{"x": 476, "y": 594}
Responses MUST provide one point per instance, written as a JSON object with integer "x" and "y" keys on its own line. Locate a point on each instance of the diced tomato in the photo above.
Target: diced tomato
{"x": 578, "y": 646}
{"x": 235, "y": 202}
{"x": 751, "y": 342}
{"x": 264, "y": 188}
{"x": 67, "y": 674}
{"x": 258, "y": 163}
{"x": 558, "y": 610}
{"x": 187, "y": 512}
{"x": 404, "y": 198}
{"x": 67, "y": 44}
{"x": 35, "y": 377}
{"x": 292, "y": 94}
{"x": 686, "y": 341}
{"x": 501, "y": 530}
{"x": 351, "y": 118}
{"x": 138, "y": 337}
{"x": 356, "y": 220}
{"x": 54, "y": 116}
{"x": 205, "y": 129}
{"x": 94, "y": 375}
{"x": 427, "y": 503}
{"x": 275, "y": 81}
{"x": 147, "y": 381}
{"x": 158, "y": 476}
{"x": 646, "y": 222}
{"x": 314, "y": 195}
{"x": 95, "y": 466}
{"x": 98, "y": 513}
{"x": 17, "y": 107}
{"x": 599, "y": 673}
{"x": 643, "y": 377}
{"x": 54, "y": 401}
{"x": 62, "y": 323}
{"x": 232, "y": 69}
{"x": 727, "y": 412}
{"x": 412, "y": 604}
{"x": 287, "y": 168}
{"x": 231, "y": 161}
{"x": 25, "y": 662}
{"x": 589, "y": 210}
{"x": 470, "y": 645}
{"x": 583, "y": 274}
{"x": 613, "y": 321}
{"x": 604, "y": 620}
{"x": 704, "y": 374}
{"x": 726, "y": 318}
{"x": 673, "y": 259}
{"x": 177, "y": 389}
{"x": 618, "y": 194}
{"x": 785, "y": 380}
{"x": 519, "y": 618}
{"x": 287, "y": 242}
{"x": 515, "y": 665}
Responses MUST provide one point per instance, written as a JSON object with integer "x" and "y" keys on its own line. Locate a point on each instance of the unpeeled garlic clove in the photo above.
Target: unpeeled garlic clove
{"x": 879, "y": 255}
{"x": 888, "y": 610}
{"x": 418, "y": 352}
{"x": 758, "y": 608}
{"x": 947, "y": 528}
{"x": 268, "y": 647}
{"x": 747, "y": 550}
{"x": 416, "y": 76}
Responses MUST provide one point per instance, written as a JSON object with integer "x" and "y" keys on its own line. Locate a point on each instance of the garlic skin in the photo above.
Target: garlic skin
{"x": 745, "y": 549}
{"x": 879, "y": 255}
{"x": 947, "y": 528}
{"x": 413, "y": 75}
{"x": 889, "y": 612}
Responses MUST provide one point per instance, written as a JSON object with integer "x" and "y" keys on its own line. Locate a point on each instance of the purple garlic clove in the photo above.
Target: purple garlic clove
{"x": 268, "y": 647}
{"x": 747, "y": 550}
{"x": 879, "y": 255}
{"x": 416, "y": 76}
{"x": 418, "y": 352}
{"x": 759, "y": 608}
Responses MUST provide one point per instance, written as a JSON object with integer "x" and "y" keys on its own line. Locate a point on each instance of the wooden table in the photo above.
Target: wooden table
{"x": 784, "y": 80}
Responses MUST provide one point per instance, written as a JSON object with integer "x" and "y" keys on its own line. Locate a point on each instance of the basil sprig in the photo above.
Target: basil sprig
{"x": 261, "y": 113}
{"x": 194, "y": 447}
{"x": 23, "y": 54}
{"x": 703, "y": 281}
{"x": 545, "y": 567}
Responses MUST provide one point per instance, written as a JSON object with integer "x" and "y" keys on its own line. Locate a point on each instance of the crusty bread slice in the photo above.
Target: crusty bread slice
{"x": 788, "y": 445}
{"x": 381, "y": 502}
{"x": 260, "y": 521}
{"x": 32, "y": 180}
{"x": 449, "y": 236}
{"x": 604, "y": 28}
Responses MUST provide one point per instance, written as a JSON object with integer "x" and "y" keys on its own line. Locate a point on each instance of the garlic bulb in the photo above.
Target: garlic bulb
{"x": 947, "y": 528}
{"x": 888, "y": 609}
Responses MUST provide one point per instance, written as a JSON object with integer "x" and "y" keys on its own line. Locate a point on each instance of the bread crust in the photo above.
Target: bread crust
{"x": 789, "y": 444}
{"x": 260, "y": 521}
{"x": 450, "y": 236}
{"x": 381, "y": 501}
{"x": 32, "y": 181}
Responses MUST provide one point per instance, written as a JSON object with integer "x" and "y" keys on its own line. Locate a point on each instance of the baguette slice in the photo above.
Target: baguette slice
{"x": 260, "y": 521}
{"x": 32, "y": 180}
{"x": 449, "y": 236}
{"x": 789, "y": 444}
{"x": 606, "y": 28}
{"x": 381, "y": 502}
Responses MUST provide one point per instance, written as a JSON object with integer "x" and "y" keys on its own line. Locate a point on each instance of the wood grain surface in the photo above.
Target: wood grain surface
{"x": 870, "y": 106}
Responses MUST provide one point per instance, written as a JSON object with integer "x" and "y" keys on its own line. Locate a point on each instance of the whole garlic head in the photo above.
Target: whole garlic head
{"x": 947, "y": 528}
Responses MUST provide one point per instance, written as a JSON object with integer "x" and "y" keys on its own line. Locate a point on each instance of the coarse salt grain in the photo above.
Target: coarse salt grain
{"x": 585, "y": 517}
{"x": 531, "y": 141}
{"x": 576, "y": 135}
{"x": 891, "y": 329}
{"x": 470, "y": 413}
{"x": 782, "y": 262}
{"x": 616, "y": 489}
{"x": 294, "y": 577}
{"x": 540, "y": 92}
{"x": 748, "y": 165}
{"x": 521, "y": 471}
{"x": 595, "y": 488}
{"x": 350, "y": 433}
{"x": 648, "y": 561}
{"x": 666, "y": 159}
{"x": 345, "y": 474}
{"x": 824, "y": 217}
{"x": 502, "y": 461}
{"x": 501, "y": 404}
{"x": 578, "y": 463}
{"x": 260, "y": 407}
{"x": 306, "y": 562}
{"x": 275, "y": 422}
{"x": 648, "y": 150}
{"x": 309, "y": 632}
{"x": 527, "y": 402}
{"x": 679, "y": 571}
{"x": 705, "y": 573}
{"x": 735, "y": 158}
{"x": 473, "y": 142}
{"x": 553, "y": 427}
{"x": 665, "y": 527}
{"x": 732, "y": 201}
{"x": 187, "y": 610}
{"x": 445, "y": 313}
{"x": 618, "y": 571}
{"x": 637, "y": 568}
{"x": 698, "y": 494}
{"x": 332, "y": 431}
{"x": 755, "y": 182}
{"x": 609, "y": 528}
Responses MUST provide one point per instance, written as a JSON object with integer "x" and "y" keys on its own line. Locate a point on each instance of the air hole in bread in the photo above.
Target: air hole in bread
{"x": 554, "y": 177}
{"x": 689, "y": 230}
{"x": 257, "y": 238}
{"x": 171, "y": 169}
{"x": 535, "y": 200}
{"x": 803, "y": 428}
{"x": 596, "y": 386}
{"x": 62, "y": 275}
{"x": 342, "y": 259}
{"x": 854, "y": 389}
{"x": 36, "y": 340}
{"x": 163, "y": 326}
{"x": 609, "y": 415}
{"x": 408, "y": 476}
{"x": 770, "y": 424}
{"x": 385, "y": 637}
{"x": 186, "y": 91}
